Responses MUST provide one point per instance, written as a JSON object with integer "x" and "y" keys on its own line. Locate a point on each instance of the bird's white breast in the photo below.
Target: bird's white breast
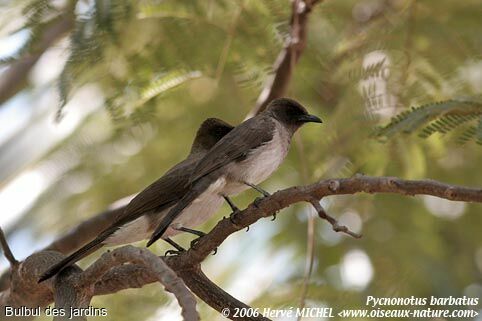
{"x": 201, "y": 209}
{"x": 260, "y": 163}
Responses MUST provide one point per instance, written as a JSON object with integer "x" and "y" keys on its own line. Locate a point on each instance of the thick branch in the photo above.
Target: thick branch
{"x": 213, "y": 295}
{"x": 68, "y": 295}
{"x": 25, "y": 291}
{"x": 123, "y": 277}
{"x": 79, "y": 235}
{"x": 136, "y": 276}
{"x": 156, "y": 266}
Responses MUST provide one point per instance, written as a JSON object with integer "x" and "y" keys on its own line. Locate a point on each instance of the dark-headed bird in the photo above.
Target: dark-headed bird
{"x": 145, "y": 211}
{"x": 243, "y": 158}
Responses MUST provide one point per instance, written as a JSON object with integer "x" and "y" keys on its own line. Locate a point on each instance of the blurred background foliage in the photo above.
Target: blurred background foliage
{"x": 116, "y": 100}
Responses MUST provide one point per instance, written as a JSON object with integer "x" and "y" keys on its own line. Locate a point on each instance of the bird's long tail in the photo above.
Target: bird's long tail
{"x": 196, "y": 190}
{"x": 87, "y": 249}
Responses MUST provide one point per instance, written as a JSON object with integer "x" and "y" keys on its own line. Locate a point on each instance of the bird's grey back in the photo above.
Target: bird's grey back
{"x": 236, "y": 145}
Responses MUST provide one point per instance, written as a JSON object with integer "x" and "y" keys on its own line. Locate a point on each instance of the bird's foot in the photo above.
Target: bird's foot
{"x": 232, "y": 219}
{"x": 195, "y": 241}
{"x": 235, "y": 210}
{"x": 258, "y": 200}
{"x": 266, "y": 194}
{"x": 174, "y": 252}
{"x": 178, "y": 249}
{"x": 232, "y": 216}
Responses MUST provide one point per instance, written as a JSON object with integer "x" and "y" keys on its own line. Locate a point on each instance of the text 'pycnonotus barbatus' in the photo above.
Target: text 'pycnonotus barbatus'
{"x": 246, "y": 156}
{"x": 144, "y": 212}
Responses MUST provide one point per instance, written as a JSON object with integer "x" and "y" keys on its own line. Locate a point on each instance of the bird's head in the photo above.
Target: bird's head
{"x": 209, "y": 133}
{"x": 291, "y": 113}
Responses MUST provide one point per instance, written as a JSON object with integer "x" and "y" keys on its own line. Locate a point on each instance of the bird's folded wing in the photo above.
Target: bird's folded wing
{"x": 162, "y": 193}
{"x": 235, "y": 146}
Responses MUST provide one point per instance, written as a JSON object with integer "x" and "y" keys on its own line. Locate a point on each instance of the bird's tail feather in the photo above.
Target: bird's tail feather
{"x": 87, "y": 249}
{"x": 187, "y": 199}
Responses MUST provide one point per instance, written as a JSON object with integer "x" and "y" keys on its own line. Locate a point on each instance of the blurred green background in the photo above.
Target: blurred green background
{"x": 115, "y": 101}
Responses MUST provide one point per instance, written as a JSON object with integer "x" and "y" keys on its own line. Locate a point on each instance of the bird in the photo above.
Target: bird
{"x": 243, "y": 158}
{"x": 144, "y": 212}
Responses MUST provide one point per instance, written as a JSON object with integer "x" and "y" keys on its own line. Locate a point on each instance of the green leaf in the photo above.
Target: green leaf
{"x": 441, "y": 117}
{"x": 166, "y": 82}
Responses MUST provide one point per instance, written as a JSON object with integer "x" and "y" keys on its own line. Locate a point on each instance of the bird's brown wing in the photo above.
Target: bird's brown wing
{"x": 162, "y": 193}
{"x": 158, "y": 196}
{"x": 236, "y": 145}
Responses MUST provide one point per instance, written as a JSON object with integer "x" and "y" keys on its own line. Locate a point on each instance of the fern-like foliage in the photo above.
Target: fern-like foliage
{"x": 439, "y": 117}
{"x": 37, "y": 11}
{"x": 39, "y": 15}
{"x": 94, "y": 31}
{"x": 165, "y": 82}
{"x": 373, "y": 70}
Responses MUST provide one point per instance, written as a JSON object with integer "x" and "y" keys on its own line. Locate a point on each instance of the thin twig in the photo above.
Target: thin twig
{"x": 310, "y": 228}
{"x": 334, "y": 223}
{"x": 6, "y": 249}
{"x": 276, "y": 85}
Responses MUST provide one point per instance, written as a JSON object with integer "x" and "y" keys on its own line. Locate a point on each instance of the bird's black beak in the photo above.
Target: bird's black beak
{"x": 309, "y": 119}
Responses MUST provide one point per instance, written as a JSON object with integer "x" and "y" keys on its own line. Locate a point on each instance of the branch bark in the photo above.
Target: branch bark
{"x": 277, "y": 84}
{"x": 156, "y": 266}
{"x": 214, "y": 296}
{"x": 341, "y": 186}
{"x": 275, "y": 87}
{"x": 113, "y": 276}
{"x": 110, "y": 275}
{"x": 79, "y": 235}
{"x": 68, "y": 295}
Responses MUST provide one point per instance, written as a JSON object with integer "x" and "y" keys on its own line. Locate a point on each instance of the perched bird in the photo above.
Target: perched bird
{"x": 145, "y": 211}
{"x": 246, "y": 156}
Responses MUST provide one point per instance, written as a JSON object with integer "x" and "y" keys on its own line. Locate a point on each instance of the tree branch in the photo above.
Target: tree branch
{"x": 276, "y": 85}
{"x": 6, "y": 250}
{"x": 334, "y": 223}
{"x": 214, "y": 296}
{"x": 68, "y": 295}
{"x": 109, "y": 275}
{"x": 156, "y": 266}
{"x": 342, "y": 186}
{"x": 136, "y": 276}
